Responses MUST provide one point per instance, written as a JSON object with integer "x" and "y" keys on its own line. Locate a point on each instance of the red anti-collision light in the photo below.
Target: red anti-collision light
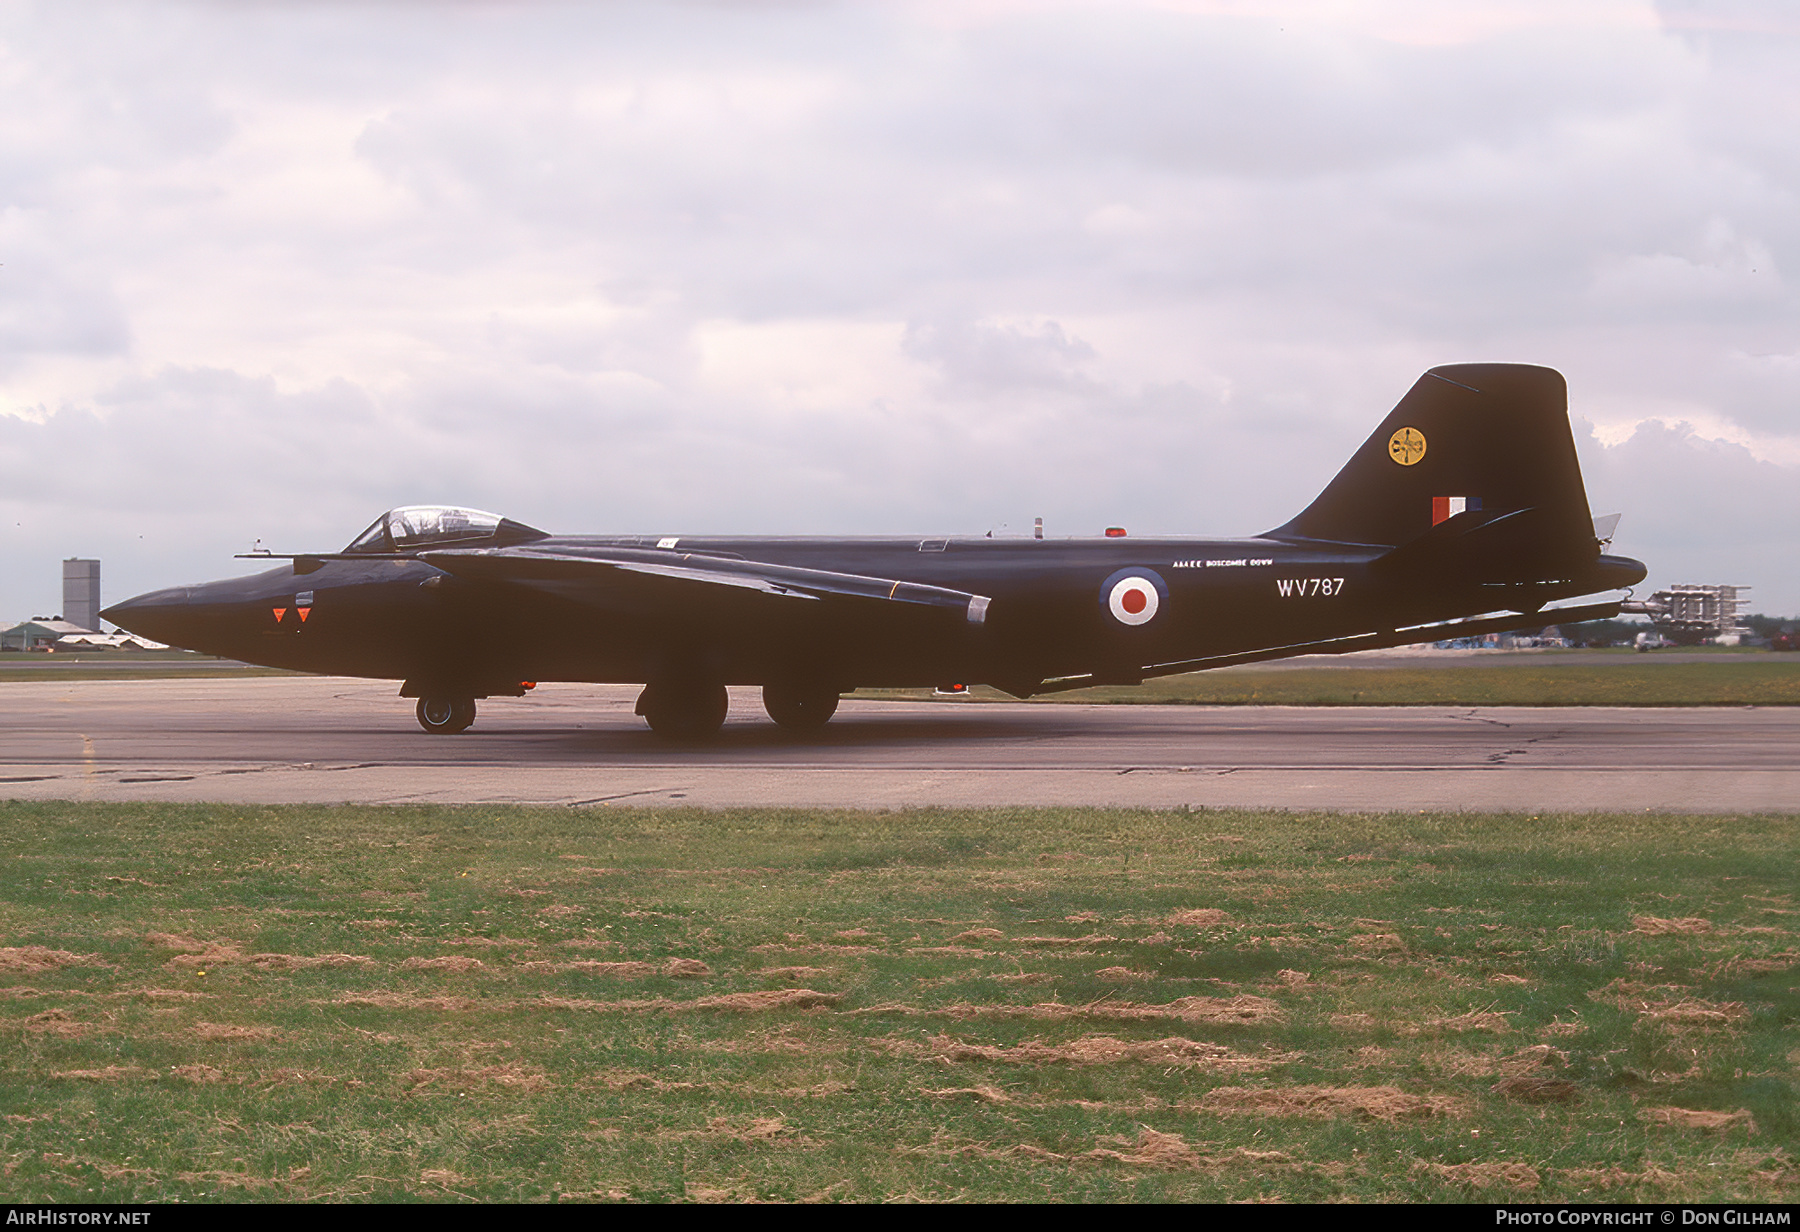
{"x": 1115, "y": 532}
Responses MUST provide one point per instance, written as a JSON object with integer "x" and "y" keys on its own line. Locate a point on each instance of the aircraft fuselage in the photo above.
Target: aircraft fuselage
{"x": 1049, "y": 614}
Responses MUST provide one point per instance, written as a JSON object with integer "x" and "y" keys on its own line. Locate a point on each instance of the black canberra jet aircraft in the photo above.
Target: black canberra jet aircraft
{"x": 1463, "y": 514}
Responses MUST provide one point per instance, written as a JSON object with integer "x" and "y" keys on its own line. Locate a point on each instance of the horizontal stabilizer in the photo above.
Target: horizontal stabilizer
{"x": 1481, "y": 546}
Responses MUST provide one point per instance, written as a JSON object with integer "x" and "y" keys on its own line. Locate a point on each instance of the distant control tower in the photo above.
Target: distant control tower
{"x": 81, "y": 593}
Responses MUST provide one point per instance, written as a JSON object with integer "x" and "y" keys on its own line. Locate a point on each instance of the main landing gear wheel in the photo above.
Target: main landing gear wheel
{"x": 445, "y": 716}
{"x": 684, "y": 711}
{"x": 800, "y": 708}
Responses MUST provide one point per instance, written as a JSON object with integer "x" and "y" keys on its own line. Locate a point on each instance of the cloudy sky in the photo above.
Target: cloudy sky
{"x": 269, "y": 268}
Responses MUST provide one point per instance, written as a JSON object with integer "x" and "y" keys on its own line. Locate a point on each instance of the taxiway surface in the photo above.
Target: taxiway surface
{"x": 309, "y": 739}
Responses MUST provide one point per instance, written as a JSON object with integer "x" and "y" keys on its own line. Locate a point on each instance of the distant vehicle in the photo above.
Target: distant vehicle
{"x": 1785, "y": 641}
{"x": 1651, "y": 641}
{"x": 1463, "y": 515}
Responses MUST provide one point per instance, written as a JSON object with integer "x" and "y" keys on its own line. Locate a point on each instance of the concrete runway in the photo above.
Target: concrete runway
{"x": 308, "y": 739}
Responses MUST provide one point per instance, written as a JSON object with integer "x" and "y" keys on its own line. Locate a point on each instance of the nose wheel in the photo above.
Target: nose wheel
{"x": 445, "y": 716}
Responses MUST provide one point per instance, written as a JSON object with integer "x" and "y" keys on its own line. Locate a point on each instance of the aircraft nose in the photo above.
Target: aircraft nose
{"x": 159, "y": 614}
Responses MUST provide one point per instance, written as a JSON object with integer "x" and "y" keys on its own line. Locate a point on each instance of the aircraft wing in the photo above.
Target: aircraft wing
{"x": 614, "y": 577}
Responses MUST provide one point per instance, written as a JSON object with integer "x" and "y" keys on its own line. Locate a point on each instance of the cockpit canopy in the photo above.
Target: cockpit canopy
{"x": 413, "y": 527}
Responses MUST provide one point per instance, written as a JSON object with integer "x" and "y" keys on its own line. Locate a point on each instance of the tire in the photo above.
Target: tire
{"x": 799, "y": 708}
{"x": 685, "y": 711}
{"x": 445, "y": 716}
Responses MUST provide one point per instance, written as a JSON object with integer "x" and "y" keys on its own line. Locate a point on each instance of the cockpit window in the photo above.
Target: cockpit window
{"x": 418, "y": 525}
{"x": 413, "y": 527}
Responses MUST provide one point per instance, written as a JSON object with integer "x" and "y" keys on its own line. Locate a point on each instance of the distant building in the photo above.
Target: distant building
{"x": 1689, "y": 614}
{"x": 38, "y": 633}
{"x": 107, "y": 641}
{"x": 81, "y": 593}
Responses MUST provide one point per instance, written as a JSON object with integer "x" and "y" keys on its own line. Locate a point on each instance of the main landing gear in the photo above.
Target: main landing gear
{"x": 800, "y": 707}
{"x": 445, "y": 716}
{"x": 683, "y": 710}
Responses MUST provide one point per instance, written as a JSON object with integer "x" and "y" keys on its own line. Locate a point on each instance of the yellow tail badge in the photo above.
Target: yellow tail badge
{"x": 1406, "y": 446}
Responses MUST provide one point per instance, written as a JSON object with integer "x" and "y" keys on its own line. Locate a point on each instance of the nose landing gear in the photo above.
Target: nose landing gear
{"x": 445, "y": 716}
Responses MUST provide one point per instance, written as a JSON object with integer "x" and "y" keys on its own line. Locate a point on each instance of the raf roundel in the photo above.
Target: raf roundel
{"x": 1133, "y": 596}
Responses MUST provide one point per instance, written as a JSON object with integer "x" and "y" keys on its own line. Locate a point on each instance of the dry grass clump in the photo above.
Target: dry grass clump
{"x": 1198, "y": 917}
{"x": 770, "y": 999}
{"x": 978, "y": 934}
{"x": 1382, "y": 1103}
{"x": 986, "y": 1095}
{"x": 1525, "y": 1062}
{"x": 408, "y": 1001}
{"x": 731, "y": 1002}
{"x": 1694, "y": 1012}
{"x": 487, "y": 942}
{"x": 199, "y": 955}
{"x": 1655, "y": 926}
{"x": 198, "y": 1073}
{"x": 1150, "y": 1149}
{"x": 763, "y": 1131}
{"x": 35, "y": 959}
{"x": 1484, "y": 1175}
{"x": 1774, "y": 964}
{"x": 793, "y": 974}
{"x": 111, "y": 1073}
{"x": 1617, "y": 1178}
{"x": 1474, "y": 1020}
{"x": 1121, "y": 975}
{"x": 675, "y": 968}
{"x": 1153, "y": 1149}
{"x": 1173, "y": 1052}
{"x": 1695, "y": 1118}
{"x": 514, "y": 1076}
{"x": 1242, "y": 1010}
{"x": 1062, "y": 943}
{"x": 59, "y": 1023}
{"x": 219, "y": 1031}
{"x": 449, "y": 962}
{"x": 1379, "y": 943}
{"x": 1538, "y": 1089}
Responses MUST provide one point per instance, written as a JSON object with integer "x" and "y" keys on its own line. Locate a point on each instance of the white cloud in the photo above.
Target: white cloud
{"x": 265, "y": 270}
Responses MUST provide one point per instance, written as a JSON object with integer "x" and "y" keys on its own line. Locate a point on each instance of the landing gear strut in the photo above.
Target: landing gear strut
{"x": 445, "y": 716}
{"x": 800, "y": 707}
{"x": 684, "y": 710}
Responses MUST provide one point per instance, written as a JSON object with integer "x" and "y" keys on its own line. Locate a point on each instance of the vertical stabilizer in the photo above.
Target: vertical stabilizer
{"x": 1468, "y": 440}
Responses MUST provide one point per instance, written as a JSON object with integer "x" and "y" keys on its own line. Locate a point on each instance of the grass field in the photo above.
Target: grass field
{"x": 1637, "y": 680}
{"x": 125, "y": 665}
{"x": 1724, "y": 678}
{"x": 541, "y": 1004}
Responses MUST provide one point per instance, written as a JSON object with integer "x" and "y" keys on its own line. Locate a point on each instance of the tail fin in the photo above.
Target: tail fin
{"x": 1473, "y": 442}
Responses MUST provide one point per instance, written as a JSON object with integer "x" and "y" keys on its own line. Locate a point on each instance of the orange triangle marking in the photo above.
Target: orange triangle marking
{"x": 303, "y": 613}
{"x": 279, "y": 613}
